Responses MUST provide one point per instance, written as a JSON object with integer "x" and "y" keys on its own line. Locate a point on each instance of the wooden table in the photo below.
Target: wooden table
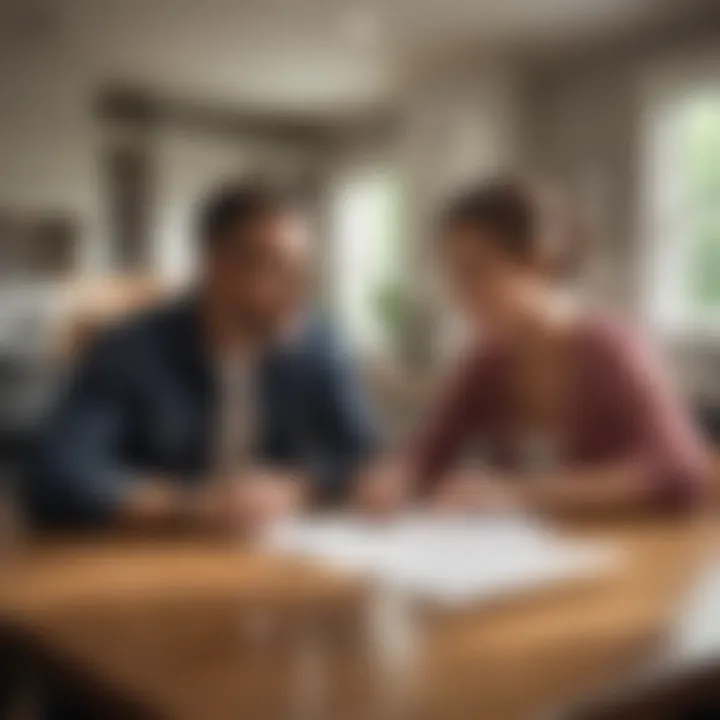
{"x": 202, "y": 630}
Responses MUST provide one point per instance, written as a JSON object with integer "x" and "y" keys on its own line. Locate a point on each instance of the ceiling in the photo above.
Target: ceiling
{"x": 301, "y": 56}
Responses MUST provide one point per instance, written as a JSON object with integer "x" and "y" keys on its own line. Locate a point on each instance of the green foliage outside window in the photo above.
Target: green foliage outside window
{"x": 702, "y": 168}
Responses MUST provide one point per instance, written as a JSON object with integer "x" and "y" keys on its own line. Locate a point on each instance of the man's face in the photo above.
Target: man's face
{"x": 259, "y": 271}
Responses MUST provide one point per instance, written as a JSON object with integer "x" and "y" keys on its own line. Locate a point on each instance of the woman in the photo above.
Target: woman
{"x": 568, "y": 410}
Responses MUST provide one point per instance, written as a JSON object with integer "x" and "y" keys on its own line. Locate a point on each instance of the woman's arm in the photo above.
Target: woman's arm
{"x": 664, "y": 464}
{"x": 609, "y": 489}
{"x": 463, "y": 409}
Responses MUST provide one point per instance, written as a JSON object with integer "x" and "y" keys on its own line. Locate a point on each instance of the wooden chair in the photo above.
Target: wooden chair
{"x": 92, "y": 304}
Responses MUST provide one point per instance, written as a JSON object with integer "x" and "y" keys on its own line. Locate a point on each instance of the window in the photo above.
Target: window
{"x": 702, "y": 167}
{"x": 684, "y": 228}
{"x": 366, "y": 257}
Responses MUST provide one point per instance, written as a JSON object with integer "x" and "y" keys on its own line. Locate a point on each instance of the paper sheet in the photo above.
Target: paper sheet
{"x": 697, "y": 633}
{"x": 448, "y": 560}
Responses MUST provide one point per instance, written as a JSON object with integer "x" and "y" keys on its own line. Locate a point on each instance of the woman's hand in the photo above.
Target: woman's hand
{"x": 248, "y": 501}
{"x": 383, "y": 488}
{"x": 474, "y": 490}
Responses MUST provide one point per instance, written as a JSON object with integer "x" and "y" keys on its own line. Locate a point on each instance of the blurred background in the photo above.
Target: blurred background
{"x": 115, "y": 117}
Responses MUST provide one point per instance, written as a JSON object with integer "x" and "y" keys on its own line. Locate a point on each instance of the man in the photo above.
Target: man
{"x": 215, "y": 411}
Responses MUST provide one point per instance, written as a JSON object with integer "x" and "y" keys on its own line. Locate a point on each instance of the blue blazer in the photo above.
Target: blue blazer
{"x": 143, "y": 403}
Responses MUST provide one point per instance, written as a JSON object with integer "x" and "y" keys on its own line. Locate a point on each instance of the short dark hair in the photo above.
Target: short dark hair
{"x": 504, "y": 207}
{"x": 516, "y": 213}
{"x": 239, "y": 203}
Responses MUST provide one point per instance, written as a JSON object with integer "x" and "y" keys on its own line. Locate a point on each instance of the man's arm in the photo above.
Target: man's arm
{"x": 76, "y": 477}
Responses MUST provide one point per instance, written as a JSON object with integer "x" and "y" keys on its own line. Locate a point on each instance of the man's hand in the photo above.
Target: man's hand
{"x": 383, "y": 488}
{"x": 244, "y": 502}
{"x": 248, "y": 501}
{"x": 474, "y": 490}
{"x": 154, "y": 505}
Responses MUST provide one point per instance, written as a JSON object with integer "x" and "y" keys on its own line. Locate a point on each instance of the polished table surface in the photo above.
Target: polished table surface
{"x": 201, "y": 629}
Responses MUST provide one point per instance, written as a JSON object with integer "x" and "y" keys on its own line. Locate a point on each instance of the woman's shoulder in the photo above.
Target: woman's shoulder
{"x": 600, "y": 332}
{"x": 480, "y": 363}
{"x": 608, "y": 341}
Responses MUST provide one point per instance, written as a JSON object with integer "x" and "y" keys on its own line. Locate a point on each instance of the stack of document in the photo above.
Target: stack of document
{"x": 444, "y": 560}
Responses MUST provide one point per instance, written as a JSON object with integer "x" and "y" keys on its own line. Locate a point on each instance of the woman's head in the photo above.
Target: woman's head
{"x": 505, "y": 243}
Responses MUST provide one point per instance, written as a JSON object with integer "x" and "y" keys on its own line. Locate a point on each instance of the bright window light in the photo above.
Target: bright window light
{"x": 684, "y": 288}
{"x": 366, "y": 255}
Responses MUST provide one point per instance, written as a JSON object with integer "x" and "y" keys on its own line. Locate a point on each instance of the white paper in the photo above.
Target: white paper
{"x": 448, "y": 560}
{"x": 697, "y": 633}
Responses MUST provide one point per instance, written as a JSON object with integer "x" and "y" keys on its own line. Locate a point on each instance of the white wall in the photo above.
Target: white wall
{"x": 187, "y": 165}
{"x": 51, "y": 155}
{"x": 457, "y": 126}
{"x": 49, "y": 149}
{"x": 583, "y": 132}
{"x": 587, "y": 124}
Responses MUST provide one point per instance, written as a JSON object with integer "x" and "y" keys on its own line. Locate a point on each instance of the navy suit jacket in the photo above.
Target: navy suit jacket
{"x": 143, "y": 403}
